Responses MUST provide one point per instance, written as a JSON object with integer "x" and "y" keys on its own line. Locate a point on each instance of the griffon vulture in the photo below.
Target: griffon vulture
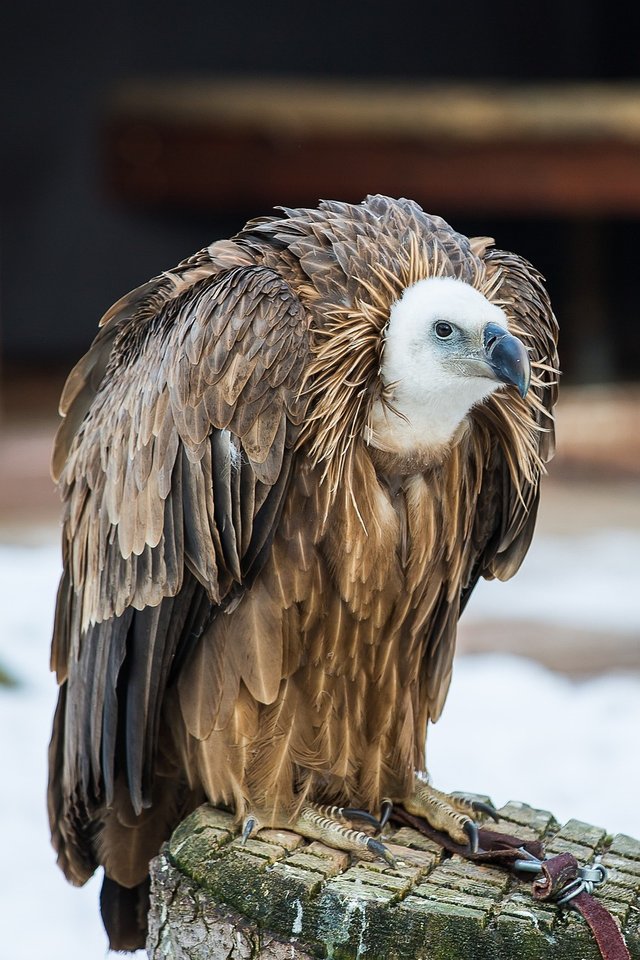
{"x": 285, "y": 464}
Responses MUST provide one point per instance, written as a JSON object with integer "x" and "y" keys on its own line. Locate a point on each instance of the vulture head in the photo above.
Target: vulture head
{"x": 446, "y": 349}
{"x": 419, "y": 332}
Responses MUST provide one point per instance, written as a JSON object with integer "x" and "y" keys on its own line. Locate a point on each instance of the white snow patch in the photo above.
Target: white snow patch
{"x": 590, "y": 581}
{"x": 516, "y": 731}
{"x": 42, "y": 915}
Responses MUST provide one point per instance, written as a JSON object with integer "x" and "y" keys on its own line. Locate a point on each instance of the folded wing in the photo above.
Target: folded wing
{"x": 173, "y": 460}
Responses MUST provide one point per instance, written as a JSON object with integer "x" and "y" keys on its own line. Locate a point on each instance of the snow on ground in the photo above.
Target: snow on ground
{"x": 516, "y": 731}
{"x": 511, "y": 729}
{"x": 591, "y": 582}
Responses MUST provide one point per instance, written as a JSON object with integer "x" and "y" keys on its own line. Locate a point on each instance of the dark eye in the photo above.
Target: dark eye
{"x": 443, "y": 330}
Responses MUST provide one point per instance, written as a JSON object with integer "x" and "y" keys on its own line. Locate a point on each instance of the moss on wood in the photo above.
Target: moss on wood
{"x": 279, "y": 896}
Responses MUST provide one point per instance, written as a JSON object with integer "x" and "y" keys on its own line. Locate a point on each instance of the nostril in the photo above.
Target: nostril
{"x": 491, "y": 337}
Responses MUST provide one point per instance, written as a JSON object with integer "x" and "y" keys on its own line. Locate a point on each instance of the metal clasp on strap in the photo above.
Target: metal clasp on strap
{"x": 588, "y": 877}
{"x": 528, "y": 863}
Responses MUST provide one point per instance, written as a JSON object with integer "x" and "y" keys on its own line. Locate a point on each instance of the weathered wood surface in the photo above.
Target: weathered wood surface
{"x": 280, "y": 897}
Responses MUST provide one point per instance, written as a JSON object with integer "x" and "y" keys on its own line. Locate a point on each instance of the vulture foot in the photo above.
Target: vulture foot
{"x": 450, "y": 813}
{"x": 333, "y": 826}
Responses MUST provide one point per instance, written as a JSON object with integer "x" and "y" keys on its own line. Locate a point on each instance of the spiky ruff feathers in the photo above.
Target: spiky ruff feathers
{"x": 379, "y": 252}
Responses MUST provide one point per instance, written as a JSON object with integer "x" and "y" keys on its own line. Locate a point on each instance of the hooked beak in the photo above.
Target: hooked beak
{"x": 507, "y": 357}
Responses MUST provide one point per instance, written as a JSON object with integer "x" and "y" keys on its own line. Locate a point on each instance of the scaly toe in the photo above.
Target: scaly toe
{"x": 450, "y": 814}
{"x": 320, "y": 823}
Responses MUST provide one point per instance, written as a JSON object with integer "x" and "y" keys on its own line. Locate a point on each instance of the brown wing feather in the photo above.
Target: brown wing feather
{"x": 173, "y": 462}
{"x": 531, "y": 317}
{"x": 492, "y": 493}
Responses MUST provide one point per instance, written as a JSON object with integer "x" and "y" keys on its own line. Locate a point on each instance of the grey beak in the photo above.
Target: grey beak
{"x": 508, "y": 358}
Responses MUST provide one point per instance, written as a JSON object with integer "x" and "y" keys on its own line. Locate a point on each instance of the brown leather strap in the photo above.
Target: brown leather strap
{"x": 557, "y": 874}
{"x": 603, "y": 927}
{"x": 494, "y": 847}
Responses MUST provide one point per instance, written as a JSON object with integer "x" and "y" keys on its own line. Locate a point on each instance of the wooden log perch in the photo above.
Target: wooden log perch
{"x": 281, "y": 897}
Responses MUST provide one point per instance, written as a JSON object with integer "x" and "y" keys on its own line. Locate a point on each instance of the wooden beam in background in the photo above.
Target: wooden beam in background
{"x": 225, "y": 145}
{"x": 211, "y": 168}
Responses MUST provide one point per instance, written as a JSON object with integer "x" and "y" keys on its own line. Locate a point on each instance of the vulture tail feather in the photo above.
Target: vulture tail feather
{"x": 124, "y": 914}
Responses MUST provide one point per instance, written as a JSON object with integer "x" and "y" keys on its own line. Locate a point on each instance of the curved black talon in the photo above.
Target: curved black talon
{"x": 471, "y": 831}
{"x": 481, "y": 807}
{"x": 381, "y": 851}
{"x": 352, "y": 813}
{"x": 386, "y": 809}
{"x": 247, "y": 829}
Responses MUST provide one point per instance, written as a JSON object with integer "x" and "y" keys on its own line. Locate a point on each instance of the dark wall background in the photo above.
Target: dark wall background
{"x": 68, "y": 249}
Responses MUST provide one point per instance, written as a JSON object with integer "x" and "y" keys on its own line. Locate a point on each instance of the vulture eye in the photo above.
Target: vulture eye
{"x": 443, "y": 330}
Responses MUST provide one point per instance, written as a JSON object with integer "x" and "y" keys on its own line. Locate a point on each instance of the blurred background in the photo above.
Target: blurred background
{"x": 135, "y": 133}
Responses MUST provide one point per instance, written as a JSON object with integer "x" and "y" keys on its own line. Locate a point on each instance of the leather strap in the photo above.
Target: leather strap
{"x": 559, "y": 872}
{"x": 498, "y": 848}
{"x": 557, "y": 875}
{"x": 603, "y": 926}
